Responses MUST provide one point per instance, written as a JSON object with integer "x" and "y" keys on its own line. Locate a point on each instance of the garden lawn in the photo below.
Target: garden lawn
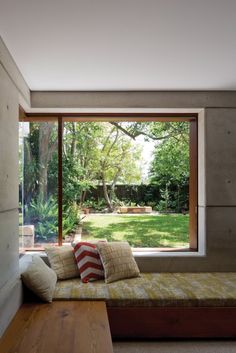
{"x": 170, "y": 230}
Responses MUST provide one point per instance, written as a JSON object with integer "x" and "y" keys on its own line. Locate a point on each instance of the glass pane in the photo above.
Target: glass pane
{"x": 38, "y": 184}
{"x": 126, "y": 181}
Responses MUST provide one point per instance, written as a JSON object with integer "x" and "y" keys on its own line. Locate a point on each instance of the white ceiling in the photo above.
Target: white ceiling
{"x": 122, "y": 44}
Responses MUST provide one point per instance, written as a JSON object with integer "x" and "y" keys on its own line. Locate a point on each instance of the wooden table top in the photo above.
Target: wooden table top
{"x": 60, "y": 327}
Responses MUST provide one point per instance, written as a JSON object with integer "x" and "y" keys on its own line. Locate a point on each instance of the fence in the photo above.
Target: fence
{"x": 149, "y": 195}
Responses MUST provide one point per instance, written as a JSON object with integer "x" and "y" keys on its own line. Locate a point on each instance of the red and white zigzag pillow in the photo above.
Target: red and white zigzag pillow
{"x": 88, "y": 262}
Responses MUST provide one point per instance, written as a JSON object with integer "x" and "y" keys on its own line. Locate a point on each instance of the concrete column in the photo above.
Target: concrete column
{"x": 10, "y": 286}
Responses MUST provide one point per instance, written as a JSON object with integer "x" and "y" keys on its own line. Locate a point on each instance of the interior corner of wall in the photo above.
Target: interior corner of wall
{"x": 24, "y": 102}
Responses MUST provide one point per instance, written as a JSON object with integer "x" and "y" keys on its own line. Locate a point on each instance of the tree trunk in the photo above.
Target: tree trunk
{"x": 178, "y": 194}
{"x": 73, "y": 143}
{"x": 28, "y": 178}
{"x": 82, "y": 197}
{"x": 113, "y": 185}
{"x": 106, "y": 196}
{"x": 46, "y": 150}
{"x": 167, "y": 197}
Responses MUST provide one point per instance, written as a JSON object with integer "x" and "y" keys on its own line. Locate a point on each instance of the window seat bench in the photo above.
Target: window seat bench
{"x": 163, "y": 304}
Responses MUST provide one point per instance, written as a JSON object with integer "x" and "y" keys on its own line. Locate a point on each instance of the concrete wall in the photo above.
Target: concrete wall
{"x": 11, "y": 88}
{"x": 217, "y": 166}
{"x": 168, "y": 99}
{"x": 218, "y": 205}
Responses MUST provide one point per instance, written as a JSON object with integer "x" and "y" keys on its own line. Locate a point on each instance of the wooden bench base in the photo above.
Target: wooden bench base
{"x": 62, "y": 327}
{"x": 172, "y": 322}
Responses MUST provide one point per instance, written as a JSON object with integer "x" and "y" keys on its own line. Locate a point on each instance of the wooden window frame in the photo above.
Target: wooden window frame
{"x": 192, "y": 118}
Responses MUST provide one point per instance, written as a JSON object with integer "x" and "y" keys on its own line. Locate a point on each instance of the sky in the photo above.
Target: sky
{"x": 146, "y": 155}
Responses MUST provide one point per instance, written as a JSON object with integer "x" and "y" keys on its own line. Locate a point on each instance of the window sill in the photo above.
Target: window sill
{"x": 149, "y": 253}
{"x": 141, "y": 252}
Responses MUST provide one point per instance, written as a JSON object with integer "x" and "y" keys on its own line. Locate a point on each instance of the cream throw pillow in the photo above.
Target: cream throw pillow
{"x": 62, "y": 261}
{"x": 40, "y": 278}
{"x": 118, "y": 261}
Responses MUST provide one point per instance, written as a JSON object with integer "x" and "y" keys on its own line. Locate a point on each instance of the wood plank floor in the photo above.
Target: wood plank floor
{"x": 60, "y": 327}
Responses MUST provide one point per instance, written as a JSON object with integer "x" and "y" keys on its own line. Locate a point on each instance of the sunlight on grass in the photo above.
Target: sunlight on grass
{"x": 140, "y": 231}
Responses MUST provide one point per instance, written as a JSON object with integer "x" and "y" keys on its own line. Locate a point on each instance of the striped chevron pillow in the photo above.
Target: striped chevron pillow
{"x": 88, "y": 262}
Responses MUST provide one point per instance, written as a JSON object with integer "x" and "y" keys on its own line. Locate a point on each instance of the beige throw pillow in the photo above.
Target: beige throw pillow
{"x": 118, "y": 261}
{"x": 62, "y": 261}
{"x": 40, "y": 278}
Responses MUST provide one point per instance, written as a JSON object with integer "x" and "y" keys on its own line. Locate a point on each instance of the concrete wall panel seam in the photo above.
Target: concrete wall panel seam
{"x": 9, "y": 210}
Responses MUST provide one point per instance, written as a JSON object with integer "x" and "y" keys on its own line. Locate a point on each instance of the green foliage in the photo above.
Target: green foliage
{"x": 97, "y": 205}
{"x": 118, "y": 157}
{"x": 164, "y": 204}
{"x": 75, "y": 182}
{"x": 170, "y": 166}
{"x": 171, "y": 160}
{"x": 80, "y": 160}
{"x": 43, "y": 215}
{"x": 95, "y": 152}
{"x": 100, "y": 153}
{"x": 71, "y": 218}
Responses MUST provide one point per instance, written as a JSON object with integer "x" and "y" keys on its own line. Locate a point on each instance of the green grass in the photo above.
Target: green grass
{"x": 140, "y": 231}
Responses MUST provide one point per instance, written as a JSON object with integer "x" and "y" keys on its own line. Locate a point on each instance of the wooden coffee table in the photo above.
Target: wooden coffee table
{"x": 60, "y": 327}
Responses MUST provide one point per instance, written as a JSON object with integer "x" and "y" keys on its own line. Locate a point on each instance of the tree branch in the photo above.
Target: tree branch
{"x": 138, "y": 133}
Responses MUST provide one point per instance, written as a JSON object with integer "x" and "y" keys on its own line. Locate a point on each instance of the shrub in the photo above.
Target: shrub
{"x": 97, "y": 205}
{"x": 44, "y": 216}
{"x": 70, "y": 219}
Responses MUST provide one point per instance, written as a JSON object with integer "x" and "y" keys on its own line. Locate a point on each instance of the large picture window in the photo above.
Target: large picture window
{"x": 119, "y": 178}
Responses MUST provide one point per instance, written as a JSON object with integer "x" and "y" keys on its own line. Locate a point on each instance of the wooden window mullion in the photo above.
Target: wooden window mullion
{"x": 193, "y": 182}
{"x": 60, "y": 181}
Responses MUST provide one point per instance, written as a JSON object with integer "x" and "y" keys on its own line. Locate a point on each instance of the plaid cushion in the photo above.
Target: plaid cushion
{"x": 118, "y": 261}
{"x": 62, "y": 261}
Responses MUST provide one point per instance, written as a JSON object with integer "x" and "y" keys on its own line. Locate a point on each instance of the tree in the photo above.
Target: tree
{"x": 118, "y": 161}
{"x": 170, "y": 165}
{"x": 80, "y": 159}
{"x": 96, "y": 152}
{"x": 104, "y": 152}
{"x": 39, "y": 147}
